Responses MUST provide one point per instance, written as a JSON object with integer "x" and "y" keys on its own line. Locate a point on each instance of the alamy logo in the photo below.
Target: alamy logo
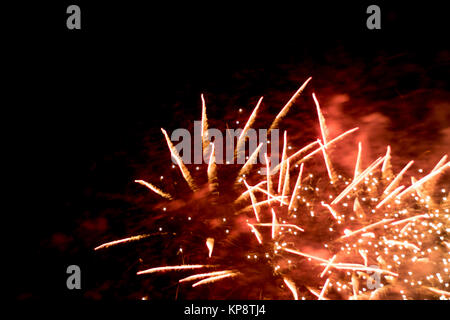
{"x": 74, "y": 20}
{"x": 230, "y": 149}
{"x": 374, "y": 20}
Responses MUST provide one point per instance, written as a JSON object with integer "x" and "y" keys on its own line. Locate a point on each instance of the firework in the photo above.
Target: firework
{"x": 316, "y": 236}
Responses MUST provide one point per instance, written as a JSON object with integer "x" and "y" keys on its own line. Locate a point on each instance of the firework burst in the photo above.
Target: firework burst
{"x": 298, "y": 233}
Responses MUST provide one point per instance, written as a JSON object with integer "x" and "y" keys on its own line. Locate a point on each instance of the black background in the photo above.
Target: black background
{"x": 80, "y": 97}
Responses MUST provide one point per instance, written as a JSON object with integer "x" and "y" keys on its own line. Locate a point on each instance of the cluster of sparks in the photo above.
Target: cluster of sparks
{"x": 369, "y": 223}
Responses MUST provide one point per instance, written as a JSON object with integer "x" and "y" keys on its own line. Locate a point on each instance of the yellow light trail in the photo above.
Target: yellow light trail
{"x": 174, "y": 268}
{"x": 154, "y": 189}
{"x": 291, "y": 285}
{"x": 204, "y": 275}
{"x": 358, "y": 180}
{"x": 297, "y": 186}
{"x": 288, "y": 105}
{"x": 116, "y": 242}
{"x": 214, "y": 279}
{"x": 364, "y": 229}
{"x": 397, "y": 178}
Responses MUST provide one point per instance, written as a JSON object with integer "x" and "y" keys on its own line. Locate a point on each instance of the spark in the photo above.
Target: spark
{"x": 184, "y": 171}
{"x": 305, "y": 255}
{"x": 324, "y": 289}
{"x": 333, "y": 213}
{"x": 125, "y": 240}
{"x": 251, "y": 120}
{"x": 358, "y": 161}
{"x": 291, "y": 285}
{"x": 358, "y": 180}
{"x": 204, "y": 275}
{"x": 390, "y": 196}
{"x": 424, "y": 179}
{"x": 215, "y": 278}
{"x": 204, "y": 127}
{"x": 283, "y": 167}
{"x": 364, "y": 229}
{"x": 286, "y": 183}
{"x": 397, "y": 178}
{"x": 288, "y": 105}
{"x": 256, "y": 232}
{"x": 253, "y": 199}
{"x": 338, "y": 138}
{"x": 154, "y": 189}
{"x": 296, "y": 187}
{"x": 173, "y": 268}
{"x": 442, "y": 292}
{"x": 328, "y": 266}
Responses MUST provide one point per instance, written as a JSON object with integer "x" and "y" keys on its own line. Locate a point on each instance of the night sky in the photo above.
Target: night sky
{"x": 88, "y": 106}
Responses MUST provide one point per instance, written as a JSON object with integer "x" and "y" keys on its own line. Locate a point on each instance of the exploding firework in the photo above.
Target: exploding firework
{"x": 299, "y": 233}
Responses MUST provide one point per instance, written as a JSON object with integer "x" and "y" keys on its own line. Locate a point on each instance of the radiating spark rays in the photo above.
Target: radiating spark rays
{"x": 269, "y": 181}
{"x": 390, "y": 196}
{"x": 441, "y": 292}
{"x": 328, "y": 266}
{"x": 287, "y": 225}
{"x": 358, "y": 161}
{"x": 204, "y": 127}
{"x": 304, "y": 255}
{"x": 424, "y": 179}
{"x": 212, "y": 170}
{"x": 249, "y": 163}
{"x": 397, "y": 178}
{"x": 292, "y": 157}
{"x": 125, "y": 240}
{"x": 251, "y": 188}
{"x": 154, "y": 189}
{"x": 357, "y": 180}
{"x": 386, "y": 251}
{"x": 324, "y": 289}
{"x": 274, "y": 224}
{"x": 174, "y": 268}
{"x": 386, "y": 162}
{"x": 215, "y": 278}
{"x": 405, "y": 228}
{"x": 297, "y": 186}
{"x": 288, "y": 105}
{"x": 364, "y": 229}
{"x": 314, "y": 292}
{"x": 283, "y": 166}
{"x": 291, "y": 285}
{"x": 256, "y": 232}
{"x": 355, "y": 267}
{"x": 204, "y": 275}
{"x": 440, "y": 163}
{"x": 253, "y": 200}
{"x": 184, "y": 171}
{"x": 363, "y": 254}
{"x": 323, "y": 128}
{"x": 355, "y": 285}
{"x": 402, "y": 244}
{"x": 272, "y": 199}
{"x": 333, "y": 213}
{"x": 250, "y": 121}
{"x": 338, "y": 138}
{"x": 272, "y": 196}
{"x": 410, "y": 219}
{"x": 286, "y": 183}
{"x": 327, "y": 161}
